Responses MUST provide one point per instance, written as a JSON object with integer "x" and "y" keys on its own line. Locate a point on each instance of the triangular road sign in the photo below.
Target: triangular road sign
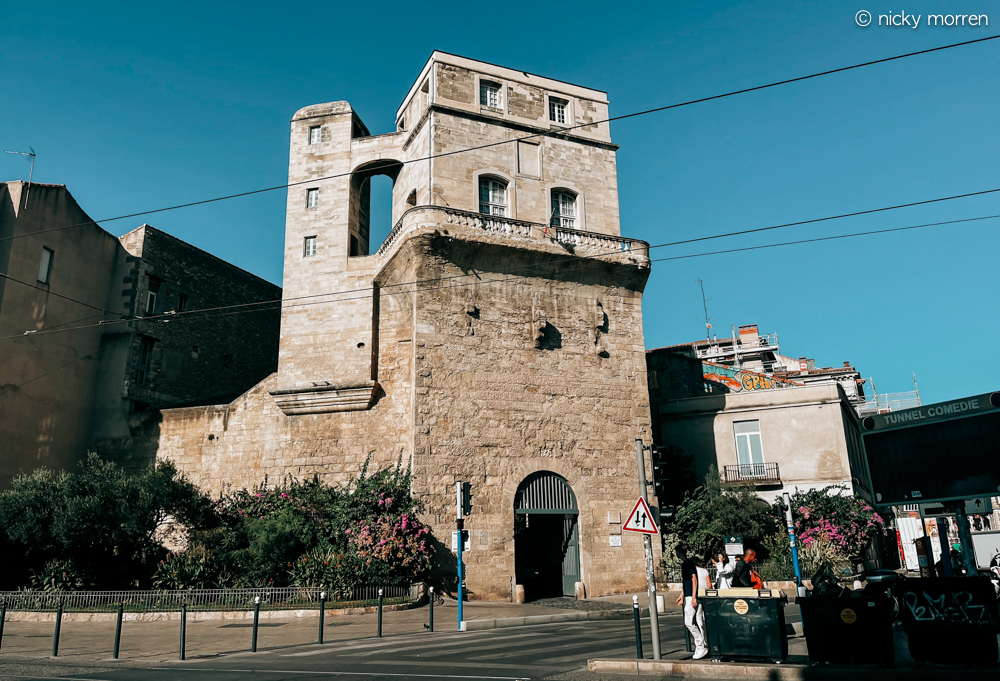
{"x": 640, "y": 519}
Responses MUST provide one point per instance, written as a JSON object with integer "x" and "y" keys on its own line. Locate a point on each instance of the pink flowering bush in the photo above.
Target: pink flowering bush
{"x": 844, "y": 524}
{"x": 393, "y": 548}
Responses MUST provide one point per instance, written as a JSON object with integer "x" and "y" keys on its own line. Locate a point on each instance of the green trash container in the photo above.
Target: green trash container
{"x": 745, "y": 624}
{"x": 848, "y": 630}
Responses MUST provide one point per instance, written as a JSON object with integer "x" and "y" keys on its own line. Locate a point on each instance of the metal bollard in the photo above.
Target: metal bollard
{"x": 3, "y": 616}
{"x": 55, "y": 636}
{"x": 184, "y": 616}
{"x": 118, "y": 628}
{"x": 380, "y": 613}
{"x": 432, "y": 609}
{"x": 256, "y": 621}
{"x": 322, "y": 613}
{"x": 638, "y": 629}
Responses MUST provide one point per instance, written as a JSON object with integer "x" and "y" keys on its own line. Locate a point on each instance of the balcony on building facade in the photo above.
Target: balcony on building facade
{"x": 757, "y": 474}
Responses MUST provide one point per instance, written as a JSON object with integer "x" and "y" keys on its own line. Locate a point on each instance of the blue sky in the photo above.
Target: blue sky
{"x": 136, "y": 107}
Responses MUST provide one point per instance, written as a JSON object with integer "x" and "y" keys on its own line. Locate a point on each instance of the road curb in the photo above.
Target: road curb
{"x": 723, "y": 671}
{"x": 582, "y": 616}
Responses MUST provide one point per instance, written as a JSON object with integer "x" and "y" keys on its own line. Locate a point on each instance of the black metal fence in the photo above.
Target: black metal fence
{"x": 204, "y": 600}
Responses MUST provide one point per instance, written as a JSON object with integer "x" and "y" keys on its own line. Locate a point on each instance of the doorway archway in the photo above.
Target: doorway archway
{"x": 546, "y": 536}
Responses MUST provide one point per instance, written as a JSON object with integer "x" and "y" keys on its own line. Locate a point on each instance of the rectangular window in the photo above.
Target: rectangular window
{"x": 152, "y": 289}
{"x": 182, "y": 302}
{"x": 563, "y": 210}
{"x": 557, "y": 110}
{"x": 309, "y": 247}
{"x": 312, "y": 198}
{"x": 749, "y": 451}
{"x": 45, "y": 265}
{"x": 492, "y": 197}
{"x": 145, "y": 358}
{"x": 315, "y": 134}
{"x": 489, "y": 94}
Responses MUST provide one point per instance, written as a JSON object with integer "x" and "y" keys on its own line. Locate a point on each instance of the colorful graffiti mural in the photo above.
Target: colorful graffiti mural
{"x": 720, "y": 378}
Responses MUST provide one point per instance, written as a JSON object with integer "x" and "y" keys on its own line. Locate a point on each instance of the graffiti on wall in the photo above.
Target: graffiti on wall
{"x": 726, "y": 379}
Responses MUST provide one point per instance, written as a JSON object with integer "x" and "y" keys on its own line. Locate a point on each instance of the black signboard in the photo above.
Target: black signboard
{"x": 935, "y": 453}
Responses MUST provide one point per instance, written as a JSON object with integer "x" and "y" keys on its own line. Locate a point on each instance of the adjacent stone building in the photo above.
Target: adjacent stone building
{"x": 495, "y": 337}
{"x": 99, "y": 332}
{"x": 757, "y": 423}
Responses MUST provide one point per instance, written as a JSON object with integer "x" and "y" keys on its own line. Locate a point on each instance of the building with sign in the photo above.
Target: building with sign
{"x": 763, "y": 430}
{"x": 524, "y": 374}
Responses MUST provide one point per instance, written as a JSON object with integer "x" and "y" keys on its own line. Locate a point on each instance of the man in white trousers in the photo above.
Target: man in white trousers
{"x": 694, "y": 615}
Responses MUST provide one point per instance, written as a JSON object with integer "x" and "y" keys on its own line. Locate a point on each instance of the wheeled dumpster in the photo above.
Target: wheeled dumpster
{"x": 848, "y": 630}
{"x": 949, "y": 619}
{"x": 745, "y": 624}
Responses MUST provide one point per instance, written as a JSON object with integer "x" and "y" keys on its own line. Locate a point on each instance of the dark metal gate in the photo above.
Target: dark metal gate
{"x": 546, "y": 536}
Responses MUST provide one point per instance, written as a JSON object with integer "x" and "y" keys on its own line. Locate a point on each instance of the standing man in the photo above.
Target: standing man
{"x": 741, "y": 571}
{"x": 694, "y": 615}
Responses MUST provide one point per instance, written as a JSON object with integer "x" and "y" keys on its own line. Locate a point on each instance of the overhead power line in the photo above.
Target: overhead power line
{"x": 799, "y": 223}
{"x": 276, "y": 304}
{"x": 550, "y": 133}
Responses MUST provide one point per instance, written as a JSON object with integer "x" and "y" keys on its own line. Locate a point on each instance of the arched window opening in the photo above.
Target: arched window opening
{"x": 371, "y": 203}
{"x": 492, "y": 196}
{"x": 563, "y": 209}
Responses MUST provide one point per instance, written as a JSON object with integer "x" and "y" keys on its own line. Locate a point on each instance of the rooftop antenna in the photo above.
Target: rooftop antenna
{"x": 916, "y": 388}
{"x": 31, "y": 172}
{"x": 704, "y": 304}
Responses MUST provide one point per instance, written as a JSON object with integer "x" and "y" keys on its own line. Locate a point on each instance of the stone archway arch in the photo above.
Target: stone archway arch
{"x": 359, "y": 206}
{"x": 546, "y": 536}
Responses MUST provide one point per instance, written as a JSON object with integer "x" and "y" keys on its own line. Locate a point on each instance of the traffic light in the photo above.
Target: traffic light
{"x": 466, "y": 498}
{"x": 657, "y": 454}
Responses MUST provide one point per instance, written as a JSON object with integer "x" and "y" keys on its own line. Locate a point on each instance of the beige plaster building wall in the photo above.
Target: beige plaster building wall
{"x": 811, "y": 432}
{"x": 478, "y": 349}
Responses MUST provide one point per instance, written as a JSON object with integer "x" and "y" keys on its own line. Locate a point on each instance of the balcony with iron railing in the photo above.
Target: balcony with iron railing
{"x": 579, "y": 242}
{"x": 757, "y": 474}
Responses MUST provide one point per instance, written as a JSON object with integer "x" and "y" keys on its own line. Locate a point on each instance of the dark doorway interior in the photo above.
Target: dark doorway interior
{"x": 546, "y": 556}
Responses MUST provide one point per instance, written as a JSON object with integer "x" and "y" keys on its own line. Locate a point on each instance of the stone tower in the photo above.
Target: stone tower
{"x": 494, "y": 337}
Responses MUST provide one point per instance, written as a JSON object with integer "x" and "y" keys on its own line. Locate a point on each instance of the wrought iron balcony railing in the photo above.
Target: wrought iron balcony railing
{"x": 752, "y": 473}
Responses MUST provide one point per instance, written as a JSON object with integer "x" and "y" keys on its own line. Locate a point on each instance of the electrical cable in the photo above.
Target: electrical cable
{"x": 225, "y": 311}
{"x": 549, "y": 133}
{"x": 798, "y": 223}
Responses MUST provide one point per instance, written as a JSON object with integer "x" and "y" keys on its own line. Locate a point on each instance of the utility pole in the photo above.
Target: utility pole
{"x": 791, "y": 538}
{"x": 460, "y": 524}
{"x": 654, "y": 623}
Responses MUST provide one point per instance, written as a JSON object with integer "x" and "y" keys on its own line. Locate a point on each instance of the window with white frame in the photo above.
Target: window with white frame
{"x": 309, "y": 246}
{"x": 45, "y": 265}
{"x": 563, "y": 209}
{"x": 492, "y": 196}
{"x": 489, "y": 94}
{"x": 749, "y": 451}
{"x": 557, "y": 110}
{"x": 152, "y": 291}
{"x": 312, "y": 198}
{"x": 315, "y": 134}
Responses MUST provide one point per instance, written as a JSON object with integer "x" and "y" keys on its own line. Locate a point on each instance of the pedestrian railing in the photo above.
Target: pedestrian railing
{"x": 205, "y": 600}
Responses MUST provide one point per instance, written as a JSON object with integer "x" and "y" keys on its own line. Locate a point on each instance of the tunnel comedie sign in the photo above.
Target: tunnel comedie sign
{"x": 949, "y": 451}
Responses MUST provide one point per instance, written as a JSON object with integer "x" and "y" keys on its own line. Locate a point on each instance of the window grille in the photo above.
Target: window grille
{"x": 563, "y": 210}
{"x": 489, "y": 94}
{"x": 557, "y": 110}
{"x": 492, "y": 197}
{"x": 145, "y": 356}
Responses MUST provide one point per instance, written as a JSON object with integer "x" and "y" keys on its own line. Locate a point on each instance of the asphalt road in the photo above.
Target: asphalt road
{"x": 535, "y": 652}
{"x": 550, "y": 651}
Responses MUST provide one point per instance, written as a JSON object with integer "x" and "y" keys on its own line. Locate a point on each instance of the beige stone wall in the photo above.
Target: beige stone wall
{"x": 519, "y": 349}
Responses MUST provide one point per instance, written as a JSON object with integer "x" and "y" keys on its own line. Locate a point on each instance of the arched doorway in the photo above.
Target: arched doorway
{"x": 546, "y": 536}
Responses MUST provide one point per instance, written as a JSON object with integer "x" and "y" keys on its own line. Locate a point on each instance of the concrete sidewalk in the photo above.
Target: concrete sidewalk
{"x": 160, "y": 640}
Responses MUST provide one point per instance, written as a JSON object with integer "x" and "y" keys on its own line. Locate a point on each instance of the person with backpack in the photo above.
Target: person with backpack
{"x": 742, "y": 572}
